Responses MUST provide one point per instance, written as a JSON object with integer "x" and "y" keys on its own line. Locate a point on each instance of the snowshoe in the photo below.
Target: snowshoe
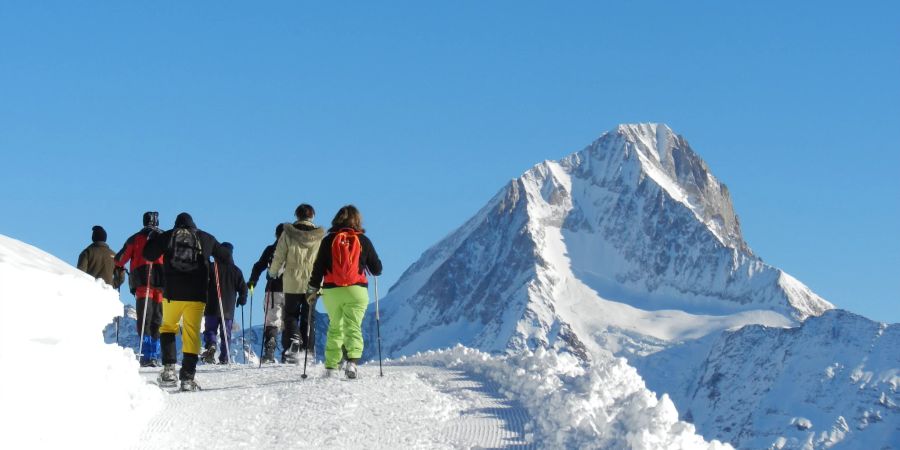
{"x": 330, "y": 373}
{"x": 350, "y": 370}
{"x": 292, "y": 358}
{"x": 150, "y": 363}
{"x": 189, "y": 386}
{"x": 168, "y": 377}
{"x": 209, "y": 355}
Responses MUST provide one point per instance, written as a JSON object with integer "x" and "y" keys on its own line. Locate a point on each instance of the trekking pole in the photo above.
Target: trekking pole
{"x": 222, "y": 312}
{"x": 378, "y": 327}
{"x": 144, "y": 317}
{"x": 117, "y": 318}
{"x": 262, "y": 342}
{"x": 243, "y": 340}
{"x": 312, "y": 306}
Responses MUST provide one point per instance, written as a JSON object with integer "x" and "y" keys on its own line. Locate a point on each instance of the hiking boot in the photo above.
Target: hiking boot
{"x": 150, "y": 363}
{"x": 350, "y": 370}
{"x": 189, "y": 385}
{"x": 209, "y": 355}
{"x": 268, "y": 355}
{"x": 292, "y": 355}
{"x": 168, "y": 376}
{"x": 330, "y": 373}
{"x": 344, "y": 358}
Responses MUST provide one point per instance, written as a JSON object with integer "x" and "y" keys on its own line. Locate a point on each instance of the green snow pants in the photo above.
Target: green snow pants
{"x": 346, "y": 307}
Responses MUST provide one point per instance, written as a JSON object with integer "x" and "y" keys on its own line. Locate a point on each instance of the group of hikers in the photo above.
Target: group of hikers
{"x": 173, "y": 280}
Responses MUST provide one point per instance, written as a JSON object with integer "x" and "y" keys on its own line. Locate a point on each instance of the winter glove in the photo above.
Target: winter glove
{"x": 312, "y": 293}
{"x": 251, "y": 284}
{"x": 242, "y": 301}
{"x": 118, "y": 277}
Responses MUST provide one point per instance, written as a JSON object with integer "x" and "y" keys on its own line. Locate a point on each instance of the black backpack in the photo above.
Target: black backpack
{"x": 187, "y": 253}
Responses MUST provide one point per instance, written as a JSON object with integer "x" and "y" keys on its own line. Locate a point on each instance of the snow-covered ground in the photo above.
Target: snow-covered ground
{"x": 60, "y": 383}
{"x": 454, "y": 398}
{"x": 70, "y": 388}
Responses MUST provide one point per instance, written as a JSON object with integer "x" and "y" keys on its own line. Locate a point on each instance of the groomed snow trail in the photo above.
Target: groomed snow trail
{"x": 412, "y": 406}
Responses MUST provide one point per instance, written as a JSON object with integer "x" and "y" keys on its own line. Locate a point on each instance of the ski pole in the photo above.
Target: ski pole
{"x": 378, "y": 327}
{"x": 144, "y": 317}
{"x": 251, "y": 315}
{"x": 309, "y": 330}
{"x": 243, "y": 340}
{"x": 262, "y": 342}
{"x": 222, "y": 312}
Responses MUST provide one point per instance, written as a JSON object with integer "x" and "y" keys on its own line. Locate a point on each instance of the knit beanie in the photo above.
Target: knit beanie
{"x": 98, "y": 234}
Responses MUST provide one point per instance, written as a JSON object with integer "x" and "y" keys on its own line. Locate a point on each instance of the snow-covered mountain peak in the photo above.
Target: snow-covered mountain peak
{"x": 627, "y": 245}
{"x": 632, "y": 153}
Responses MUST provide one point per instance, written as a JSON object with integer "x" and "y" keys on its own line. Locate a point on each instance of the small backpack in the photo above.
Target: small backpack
{"x": 187, "y": 254}
{"x": 345, "y": 250}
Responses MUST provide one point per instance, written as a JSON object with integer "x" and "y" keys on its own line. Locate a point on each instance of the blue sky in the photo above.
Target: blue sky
{"x": 418, "y": 112}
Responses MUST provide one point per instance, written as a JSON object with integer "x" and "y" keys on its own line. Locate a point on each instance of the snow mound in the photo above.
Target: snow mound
{"x": 60, "y": 380}
{"x": 602, "y": 404}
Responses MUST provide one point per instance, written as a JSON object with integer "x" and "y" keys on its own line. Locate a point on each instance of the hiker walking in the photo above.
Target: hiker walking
{"x": 294, "y": 254}
{"x": 146, "y": 285}
{"x": 233, "y": 290}
{"x": 186, "y": 270}
{"x": 97, "y": 260}
{"x": 340, "y": 271}
{"x": 274, "y": 299}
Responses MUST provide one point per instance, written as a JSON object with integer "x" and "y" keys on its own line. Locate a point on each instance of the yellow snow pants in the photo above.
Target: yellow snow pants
{"x": 192, "y": 312}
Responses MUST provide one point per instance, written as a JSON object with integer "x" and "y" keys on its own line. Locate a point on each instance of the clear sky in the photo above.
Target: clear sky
{"x": 418, "y": 112}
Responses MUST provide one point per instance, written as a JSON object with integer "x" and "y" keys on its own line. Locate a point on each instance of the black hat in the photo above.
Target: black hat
{"x": 151, "y": 219}
{"x": 98, "y": 234}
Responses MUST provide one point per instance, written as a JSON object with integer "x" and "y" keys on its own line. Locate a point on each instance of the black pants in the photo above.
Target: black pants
{"x": 154, "y": 317}
{"x": 296, "y": 316}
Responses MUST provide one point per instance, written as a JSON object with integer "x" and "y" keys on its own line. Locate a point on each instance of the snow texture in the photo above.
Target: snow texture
{"x": 52, "y": 317}
{"x": 597, "y": 405}
{"x": 833, "y": 382}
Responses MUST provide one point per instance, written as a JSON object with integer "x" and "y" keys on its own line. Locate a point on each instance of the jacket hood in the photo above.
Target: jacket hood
{"x": 228, "y": 249}
{"x": 304, "y": 233}
{"x": 184, "y": 220}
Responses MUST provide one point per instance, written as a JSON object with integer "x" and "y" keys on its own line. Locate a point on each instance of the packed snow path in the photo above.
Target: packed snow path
{"x": 412, "y": 406}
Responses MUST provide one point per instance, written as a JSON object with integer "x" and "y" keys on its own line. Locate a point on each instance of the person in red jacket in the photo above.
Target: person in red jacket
{"x": 145, "y": 284}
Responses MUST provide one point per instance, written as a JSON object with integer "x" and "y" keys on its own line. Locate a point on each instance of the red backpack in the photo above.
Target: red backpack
{"x": 345, "y": 250}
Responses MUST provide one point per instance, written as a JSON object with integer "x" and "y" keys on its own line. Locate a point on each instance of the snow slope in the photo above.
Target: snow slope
{"x": 60, "y": 382}
{"x": 833, "y": 382}
{"x": 457, "y": 398}
{"x": 628, "y": 245}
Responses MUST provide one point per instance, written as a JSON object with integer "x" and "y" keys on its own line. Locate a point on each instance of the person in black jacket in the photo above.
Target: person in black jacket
{"x": 274, "y": 298}
{"x": 232, "y": 288}
{"x": 344, "y": 257}
{"x": 186, "y": 252}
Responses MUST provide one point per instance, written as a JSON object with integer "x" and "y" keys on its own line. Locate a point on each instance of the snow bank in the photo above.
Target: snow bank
{"x": 603, "y": 404}
{"x": 60, "y": 383}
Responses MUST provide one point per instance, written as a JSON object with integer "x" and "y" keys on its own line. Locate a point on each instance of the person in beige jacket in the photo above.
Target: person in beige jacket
{"x": 294, "y": 256}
